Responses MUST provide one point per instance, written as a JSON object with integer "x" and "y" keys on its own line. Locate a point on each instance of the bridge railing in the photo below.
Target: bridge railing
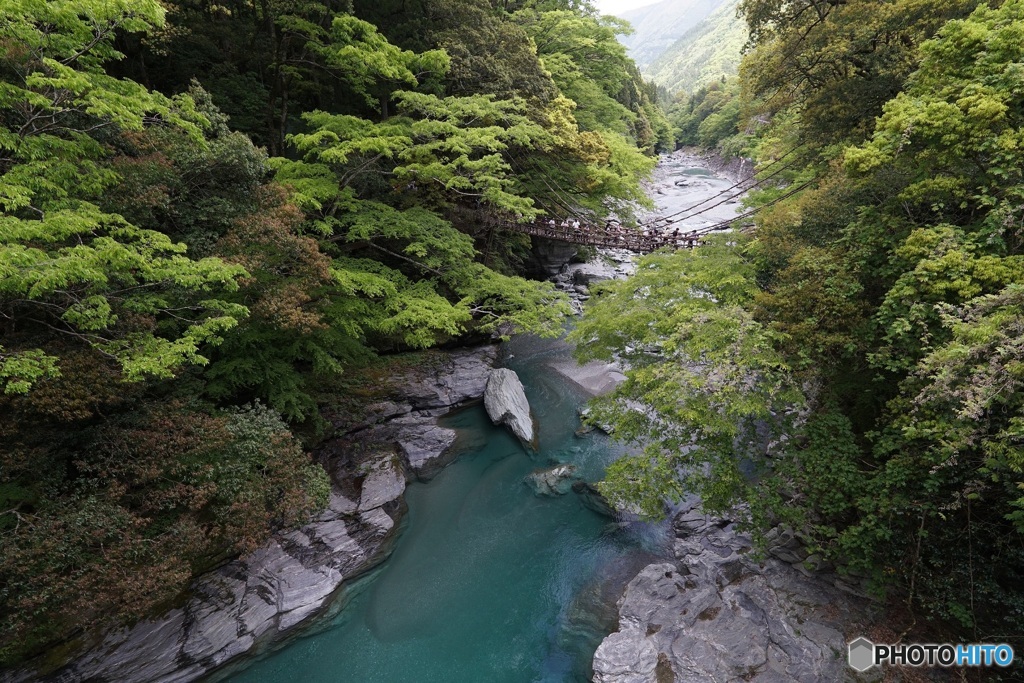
{"x": 614, "y": 237}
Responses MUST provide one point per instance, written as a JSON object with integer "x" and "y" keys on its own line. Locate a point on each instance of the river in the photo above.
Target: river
{"x": 490, "y": 582}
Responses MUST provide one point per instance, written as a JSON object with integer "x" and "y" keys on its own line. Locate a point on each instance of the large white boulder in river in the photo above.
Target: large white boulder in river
{"x": 506, "y": 404}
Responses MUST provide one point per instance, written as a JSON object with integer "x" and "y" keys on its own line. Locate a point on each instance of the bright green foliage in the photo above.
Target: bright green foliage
{"x": 710, "y": 117}
{"x": 944, "y": 269}
{"x": 453, "y": 145}
{"x": 599, "y": 171}
{"x": 702, "y": 373}
{"x": 889, "y": 292}
{"x": 956, "y": 131}
{"x": 20, "y": 370}
{"x": 590, "y": 67}
{"x": 65, "y": 263}
{"x": 839, "y": 62}
{"x": 952, "y": 468}
{"x": 970, "y": 400}
{"x": 371, "y": 66}
{"x": 587, "y": 63}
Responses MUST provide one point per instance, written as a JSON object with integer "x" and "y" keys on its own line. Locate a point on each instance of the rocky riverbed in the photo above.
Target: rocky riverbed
{"x": 720, "y": 612}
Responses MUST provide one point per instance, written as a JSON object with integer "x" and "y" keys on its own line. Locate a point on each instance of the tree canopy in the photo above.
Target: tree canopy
{"x": 852, "y": 370}
{"x": 209, "y": 212}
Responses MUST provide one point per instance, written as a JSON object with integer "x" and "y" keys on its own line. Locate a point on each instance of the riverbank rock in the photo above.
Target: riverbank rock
{"x": 424, "y": 444}
{"x": 252, "y": 601}
{"x": 418, "y": 395}
{"x": 455, "y": 378}
{"x": 626, "y": 656}
{"x": 245, "y": 605}
{"x": 717, "y": 614}
{"x": 506, "y": 404}
{"x": 552, "y": 481}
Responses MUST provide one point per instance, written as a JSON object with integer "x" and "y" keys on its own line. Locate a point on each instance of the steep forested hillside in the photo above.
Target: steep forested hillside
{"x": 211, "y": 211}
{"x": 854, "y": 370}
{"x": 658, "y": 26}
{"x": 707, "y": 52}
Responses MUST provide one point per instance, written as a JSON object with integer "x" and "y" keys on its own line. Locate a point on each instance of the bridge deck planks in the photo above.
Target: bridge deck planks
{"x": 622, "y": 238}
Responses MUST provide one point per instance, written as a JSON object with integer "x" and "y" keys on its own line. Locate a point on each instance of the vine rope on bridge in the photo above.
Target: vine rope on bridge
{"x": 611, "y": 235}
{"x": 643, "y": 239}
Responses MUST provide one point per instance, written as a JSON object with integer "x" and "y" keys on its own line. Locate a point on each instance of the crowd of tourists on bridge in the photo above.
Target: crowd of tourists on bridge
{"x": 613, "y": 233}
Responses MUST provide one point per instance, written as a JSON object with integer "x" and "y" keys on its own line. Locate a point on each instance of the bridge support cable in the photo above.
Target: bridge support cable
{"x": 739, "y": 185}
{"x": 635, "y": 239}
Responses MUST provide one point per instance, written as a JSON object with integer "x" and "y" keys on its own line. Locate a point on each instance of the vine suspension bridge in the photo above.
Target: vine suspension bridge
{"x": 657, "y": 232}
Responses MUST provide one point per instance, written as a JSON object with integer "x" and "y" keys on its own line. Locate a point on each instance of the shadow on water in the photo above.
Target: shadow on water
{"x": 489, "y": 581}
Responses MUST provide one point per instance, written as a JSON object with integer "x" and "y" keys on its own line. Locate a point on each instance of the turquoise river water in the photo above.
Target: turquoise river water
{"x": 488, "y": 582}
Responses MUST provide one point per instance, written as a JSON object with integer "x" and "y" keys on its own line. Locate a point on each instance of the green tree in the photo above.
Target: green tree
{"x": 839, "y": 62}
{"x": 703, "y": 373}
{"x": 66, "y": 266}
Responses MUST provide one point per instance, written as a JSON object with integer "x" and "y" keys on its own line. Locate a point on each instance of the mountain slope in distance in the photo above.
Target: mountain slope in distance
{"x": 708, "y": 51}
{"x": 658, "y": 26}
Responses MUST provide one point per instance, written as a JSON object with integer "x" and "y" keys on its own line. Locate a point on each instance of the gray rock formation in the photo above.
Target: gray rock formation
{"x": 574, "y": 279}
{"x": 458, "y": 379}
{"x": 424, "y": 445}
{"x": 719, "y": 615}
{"x": 245, "y": 605}
{"x": 506, "y": 404}
{"x": 586, "y": 274}
{"x": 548, "y": 256}
{"x": 419, "y": 396}
{"x": 552, "y": 481}
{"x": 626, "y": 656}
{"x": 252, "y": 601}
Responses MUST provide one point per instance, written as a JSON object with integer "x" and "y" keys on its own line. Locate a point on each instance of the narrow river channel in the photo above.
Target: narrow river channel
{"x": 489, "y": 581}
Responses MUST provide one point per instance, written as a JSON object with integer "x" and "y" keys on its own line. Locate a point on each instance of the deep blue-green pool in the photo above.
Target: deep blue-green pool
{"x": 489, "y": 582}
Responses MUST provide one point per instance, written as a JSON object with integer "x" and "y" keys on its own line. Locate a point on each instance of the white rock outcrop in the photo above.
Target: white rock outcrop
{"x": 552, "y": 481}
{"x": 720, "y": 614}
{"x": 625, "y": 656}
{"x": 506, "y": 404}
{"x": 246, "y": 604}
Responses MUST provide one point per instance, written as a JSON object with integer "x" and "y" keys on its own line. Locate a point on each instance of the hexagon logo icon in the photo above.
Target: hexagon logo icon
{"x": 862, "y": 654}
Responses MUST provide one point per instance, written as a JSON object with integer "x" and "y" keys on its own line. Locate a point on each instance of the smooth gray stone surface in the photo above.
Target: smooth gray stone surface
{"x": 719, "y": 615}
{"x": 506, "y": 404}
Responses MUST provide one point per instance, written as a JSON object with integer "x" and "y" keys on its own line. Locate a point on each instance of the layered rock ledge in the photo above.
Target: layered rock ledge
{"x": 719, "y": 614}
{"x": 248, "y": 603}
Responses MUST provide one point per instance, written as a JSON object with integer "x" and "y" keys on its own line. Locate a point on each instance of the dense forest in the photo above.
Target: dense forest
{"x": 212, "y": 215}
{"x": 210, "y": 212}
{"x": 854, "y": 368}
